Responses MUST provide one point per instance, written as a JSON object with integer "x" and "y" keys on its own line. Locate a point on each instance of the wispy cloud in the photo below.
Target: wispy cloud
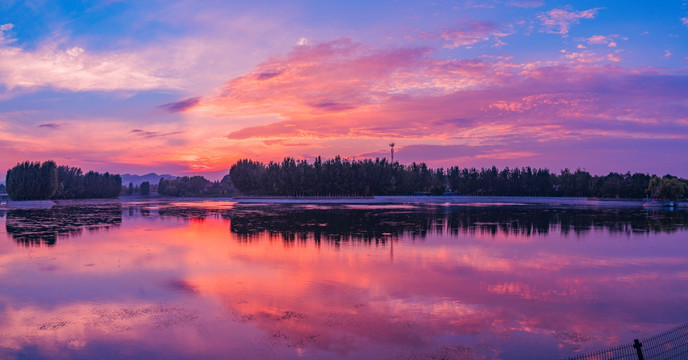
{"x": 609, "y": 40}
{"x": 684, "y": 21}
{"x": 180, "y": 106}
{"x": 590, "y": 57}
{"x": 49, "y": 126}
{"x": 154, "y": 134}
{"x": 526, "y": 3}
{"x": 471, "y": 33}
{"x": 4, "y": 39}
{"x": 559, "y": 21}
{"x": 74, "y": 68}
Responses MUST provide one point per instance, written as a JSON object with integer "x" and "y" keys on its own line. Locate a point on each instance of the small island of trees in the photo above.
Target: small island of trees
{"x": 47, "y": 181}
{"x": 195, "y": 186}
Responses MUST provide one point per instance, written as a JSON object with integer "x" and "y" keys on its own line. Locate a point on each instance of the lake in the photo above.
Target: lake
{"x": 218, "y": 280}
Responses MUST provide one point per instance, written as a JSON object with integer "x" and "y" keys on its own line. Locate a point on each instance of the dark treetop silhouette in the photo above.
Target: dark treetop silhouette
{"x": 36, "y": 181}
{"x": 343, "y": 177}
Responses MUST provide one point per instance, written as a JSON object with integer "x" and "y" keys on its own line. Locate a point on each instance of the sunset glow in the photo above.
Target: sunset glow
{"x": 187, "y": 87}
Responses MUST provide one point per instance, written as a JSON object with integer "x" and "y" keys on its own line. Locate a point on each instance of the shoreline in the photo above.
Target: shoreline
{"x": 457, "y": 200}
{"x": 435, "y": 200}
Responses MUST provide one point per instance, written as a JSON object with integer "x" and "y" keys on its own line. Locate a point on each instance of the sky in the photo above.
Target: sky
{"x": 188, "y": 87}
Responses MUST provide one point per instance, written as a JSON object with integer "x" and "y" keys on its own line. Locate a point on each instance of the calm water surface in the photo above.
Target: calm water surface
{"x": 224, "y": 280}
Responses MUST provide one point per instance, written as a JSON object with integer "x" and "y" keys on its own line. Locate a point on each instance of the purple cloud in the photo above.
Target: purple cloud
{"x": 153, "y": 134}
{"x": 526, "y": 3}
{"x": 268, "y": 74}
{"x": 181, "y": 106}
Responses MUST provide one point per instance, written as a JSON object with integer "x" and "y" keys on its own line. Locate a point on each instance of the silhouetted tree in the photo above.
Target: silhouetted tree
{"x": 36, "y": 181}
{"x": 70, "y": 183}
{"x": 184, "y": 186}
{"x": 145, "y": 188}
{"x": 248, "y": 176}
{"x": 32, "y": 181}
{"x": 339, "y": 176}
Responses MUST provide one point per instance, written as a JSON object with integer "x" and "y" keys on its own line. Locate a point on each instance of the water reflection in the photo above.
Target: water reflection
{"x": 45, "y": 226}
{"x": 375, "y": 224}
{"x": 203, "y": 281}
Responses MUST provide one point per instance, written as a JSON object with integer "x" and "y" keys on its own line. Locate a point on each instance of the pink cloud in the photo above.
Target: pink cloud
{"x": 590, "y": 57}
{"x": 4, "y": 39}
{"x": 373, "y": 94}
{"x": 609, "y": 40}
{"x": 338, "y": 88}
{"x": 470, "y": 34}
{"x": 559, "y": 21}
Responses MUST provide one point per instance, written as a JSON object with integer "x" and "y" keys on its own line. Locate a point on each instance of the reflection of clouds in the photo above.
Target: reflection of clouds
{"x": 345, "y": 319}
{"x": 58, "y": 331}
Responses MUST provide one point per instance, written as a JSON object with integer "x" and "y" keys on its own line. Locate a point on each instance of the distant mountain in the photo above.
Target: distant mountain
{"x": 152, "y": 178}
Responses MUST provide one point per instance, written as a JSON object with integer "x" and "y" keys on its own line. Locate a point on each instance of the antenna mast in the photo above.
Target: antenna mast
{"x": 391, "y": 148}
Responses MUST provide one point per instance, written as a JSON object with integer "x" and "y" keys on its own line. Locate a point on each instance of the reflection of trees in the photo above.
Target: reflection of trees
{"x": 340, "y": 224}
{"x": 532, "y": 220}
{"x": 36, "y": 227}
{"x": 192, "y": 213}
{"x": 333, "y": 225}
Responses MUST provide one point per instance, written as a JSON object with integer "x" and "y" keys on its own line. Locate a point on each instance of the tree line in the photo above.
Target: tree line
{"x": 44, "y": 181}
{"x": 195, "y": 186}
{"x": 344, "y": 177}
{"x": 143, "y": 189}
